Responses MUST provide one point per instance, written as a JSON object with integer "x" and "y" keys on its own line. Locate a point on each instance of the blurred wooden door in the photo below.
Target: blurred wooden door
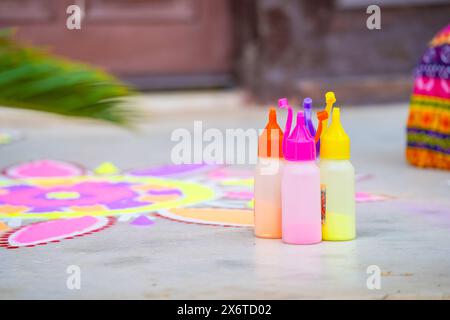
{"x": 153, "y": 43}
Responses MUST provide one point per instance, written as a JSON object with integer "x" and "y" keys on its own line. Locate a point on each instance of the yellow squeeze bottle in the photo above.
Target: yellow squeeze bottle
{"x": 337, "y": 177}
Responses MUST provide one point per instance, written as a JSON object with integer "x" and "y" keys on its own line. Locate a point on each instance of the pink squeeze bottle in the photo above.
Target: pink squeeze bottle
{"x": 300, "y": 184}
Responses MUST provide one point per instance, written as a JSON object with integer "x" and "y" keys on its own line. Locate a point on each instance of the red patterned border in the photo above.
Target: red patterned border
{"x": 5, "y": 243}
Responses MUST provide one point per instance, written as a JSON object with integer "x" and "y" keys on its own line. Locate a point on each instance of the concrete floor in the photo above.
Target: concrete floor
{"x": 408, "y": 237}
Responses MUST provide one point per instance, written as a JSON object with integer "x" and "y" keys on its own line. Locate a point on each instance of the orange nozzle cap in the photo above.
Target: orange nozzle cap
{"x": 321, "y": 116}
{"x": 270, "y": 140}
{"x": 273, "y": 116}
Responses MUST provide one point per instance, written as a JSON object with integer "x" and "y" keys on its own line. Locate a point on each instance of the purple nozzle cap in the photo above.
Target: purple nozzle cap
{"x": 307, "y": 103}
{"x": 283, "y": 103}
{"x": 307, "y": 106}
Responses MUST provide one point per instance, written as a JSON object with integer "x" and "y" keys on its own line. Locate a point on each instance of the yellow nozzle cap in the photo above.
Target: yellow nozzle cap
{"x": 335, "y": 143}
{"x": 330, "y": 97}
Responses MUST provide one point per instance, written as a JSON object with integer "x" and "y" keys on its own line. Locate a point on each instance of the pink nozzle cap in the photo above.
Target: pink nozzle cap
{"x": 283, "y": 103}
{"x": 300, "y": 145}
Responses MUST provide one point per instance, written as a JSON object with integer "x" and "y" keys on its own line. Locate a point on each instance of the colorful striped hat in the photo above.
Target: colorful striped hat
{"x": 429, "y": 114}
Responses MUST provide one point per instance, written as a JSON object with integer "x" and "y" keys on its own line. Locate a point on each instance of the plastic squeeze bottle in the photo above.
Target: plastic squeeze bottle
{"x": 300, "y": 184}
{"x": 338, "y": 183}
{"x": 267, "y": 192}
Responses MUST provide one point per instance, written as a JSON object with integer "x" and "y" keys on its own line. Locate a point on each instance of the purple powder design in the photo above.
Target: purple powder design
{"x": 142, "y": 221}
{"x": 110, "y": 195}
{"x": 170, "y": 170}
{"x": 165, "y": 192}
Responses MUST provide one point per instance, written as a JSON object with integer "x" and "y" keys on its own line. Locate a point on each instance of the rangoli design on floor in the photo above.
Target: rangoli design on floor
{"x": 47, "y": 201}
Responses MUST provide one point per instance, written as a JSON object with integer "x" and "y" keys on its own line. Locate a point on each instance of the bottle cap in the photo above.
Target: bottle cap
{"x": 270, "y": 140}
{"x": 330, "y": 99}
{"x": 300, "y": 144}
{"x": 307, "y": 107}
{"x": 335, "y": 143}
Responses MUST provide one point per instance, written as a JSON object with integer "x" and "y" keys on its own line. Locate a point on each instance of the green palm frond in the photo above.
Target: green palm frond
{"x": 33, "y": 79}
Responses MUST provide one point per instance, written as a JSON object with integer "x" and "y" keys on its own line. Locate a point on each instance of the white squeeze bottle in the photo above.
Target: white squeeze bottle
{"x": 337, "y": 177}
{"x": 300, "y": 184}
{"x": 267, "y": 210}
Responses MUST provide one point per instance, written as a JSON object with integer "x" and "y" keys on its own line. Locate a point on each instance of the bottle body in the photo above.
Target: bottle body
{"x": 338, "y": 183}
{"x": 267, "y": 195}
{"x": 301, "y": 210}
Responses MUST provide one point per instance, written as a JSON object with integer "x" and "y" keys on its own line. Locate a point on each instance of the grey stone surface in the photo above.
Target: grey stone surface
{"x": 407, "y": 237}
